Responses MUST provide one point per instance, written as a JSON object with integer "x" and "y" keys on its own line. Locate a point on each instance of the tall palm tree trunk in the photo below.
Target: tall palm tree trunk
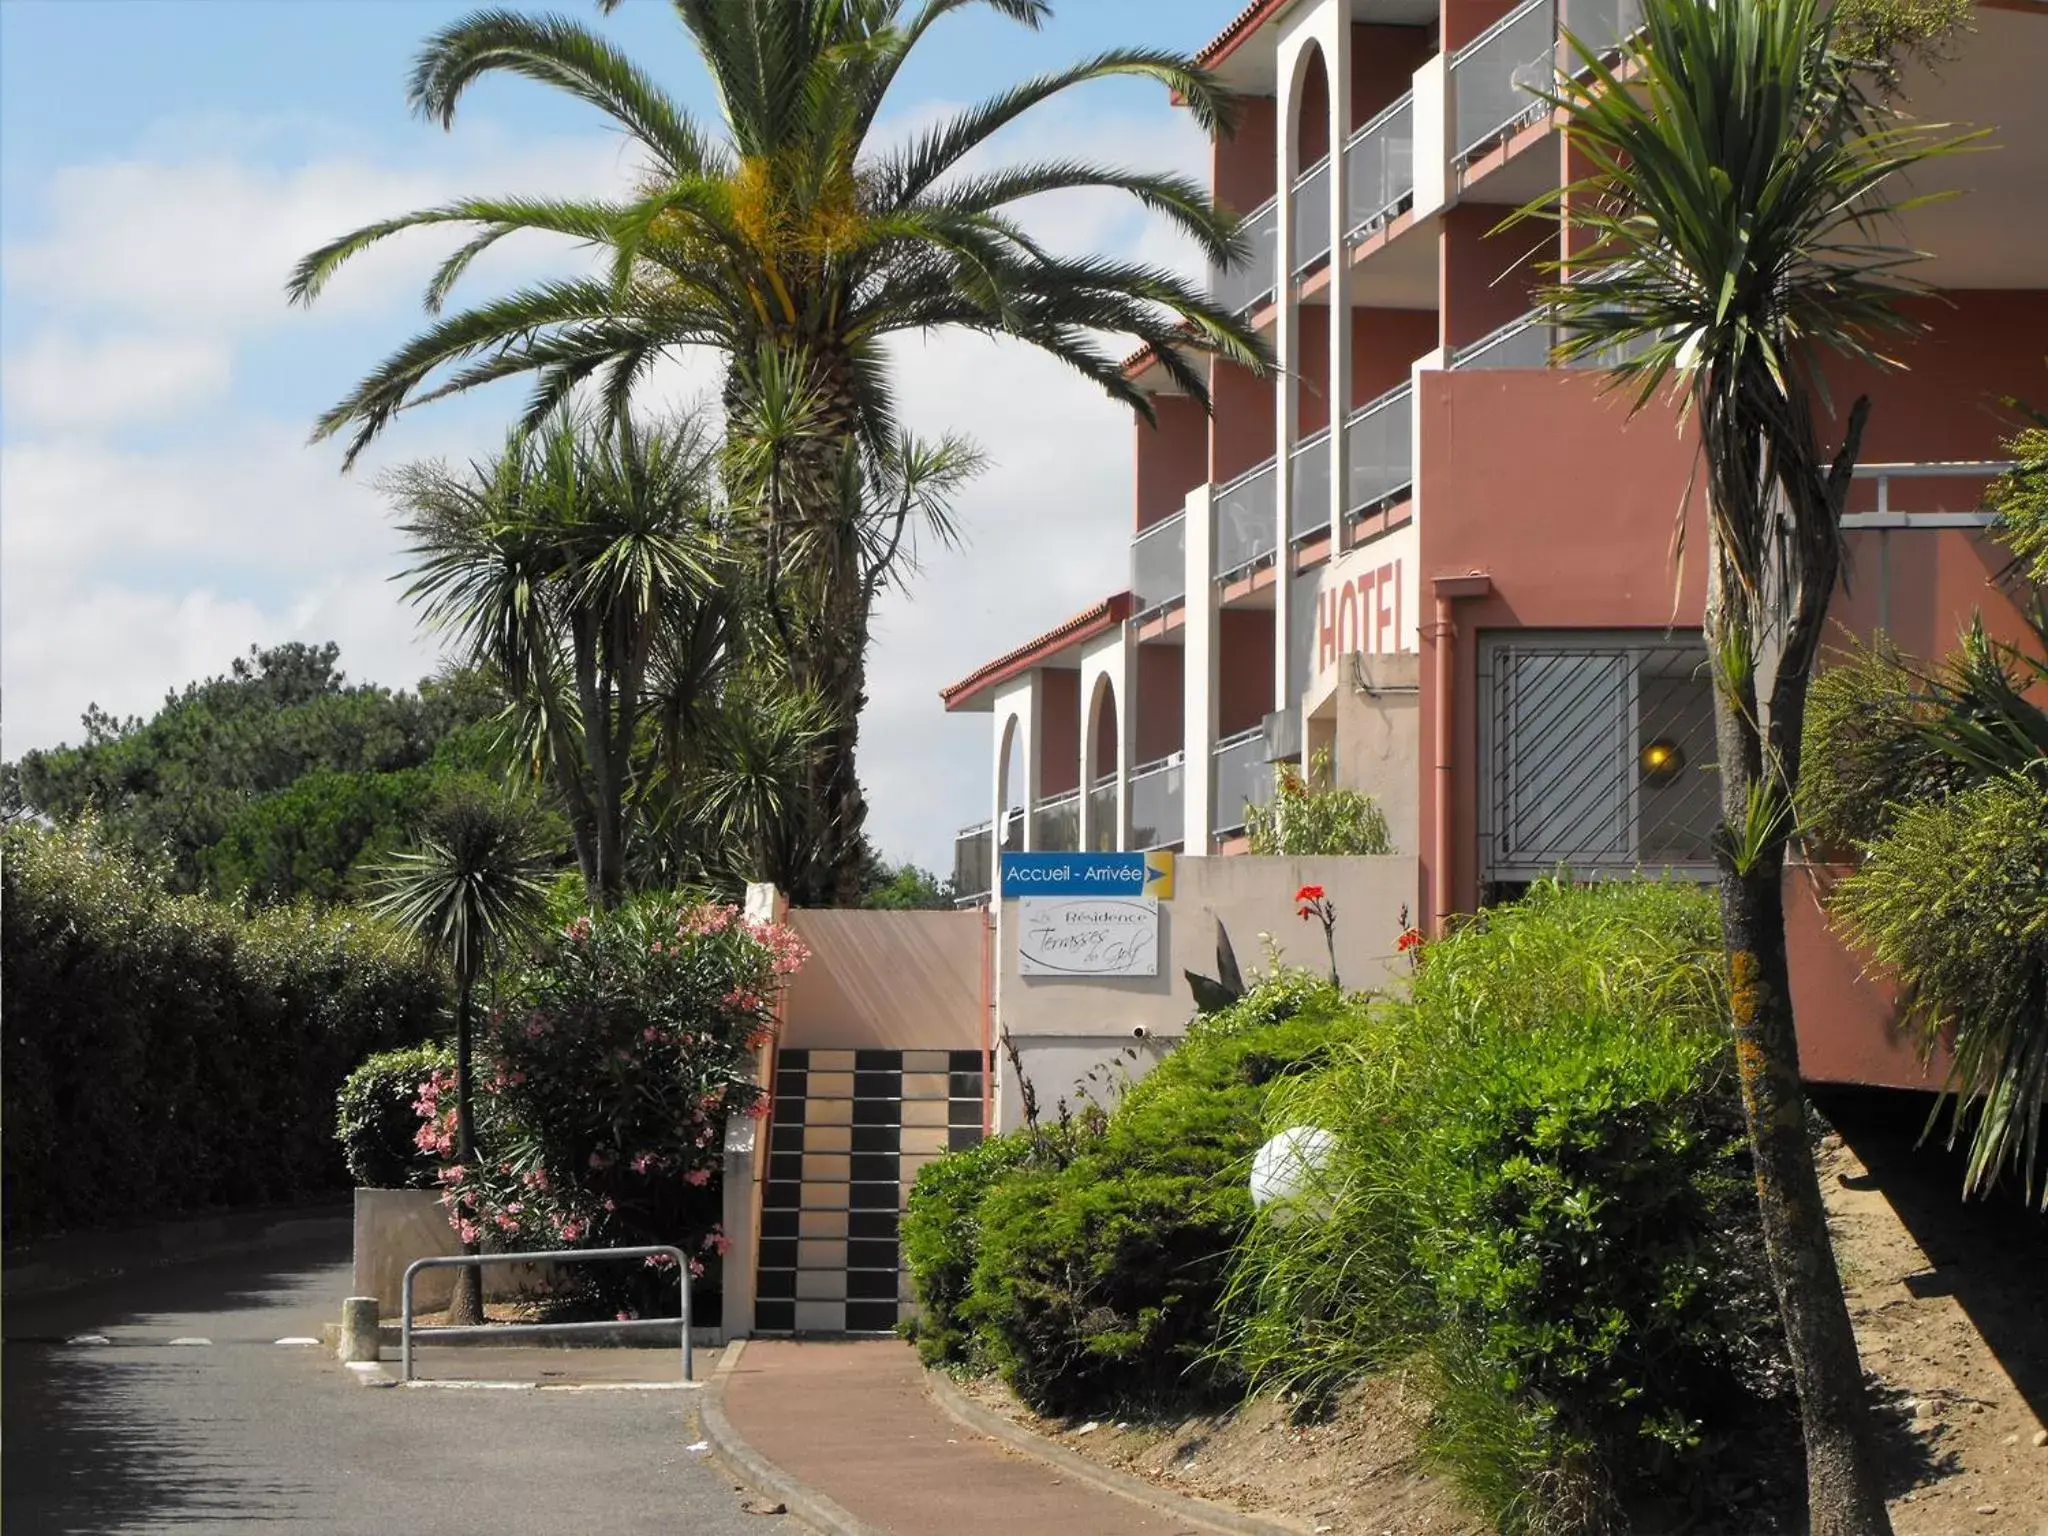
{"x": 1843, "y": 1497}
{"x": 466, "y": 1305}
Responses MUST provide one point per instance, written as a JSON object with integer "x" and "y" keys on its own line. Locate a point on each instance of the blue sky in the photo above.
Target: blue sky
{"x": 162, "y": 162}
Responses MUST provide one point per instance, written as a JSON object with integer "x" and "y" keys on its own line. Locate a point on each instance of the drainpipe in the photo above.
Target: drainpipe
{"x": 1448, "y": 589}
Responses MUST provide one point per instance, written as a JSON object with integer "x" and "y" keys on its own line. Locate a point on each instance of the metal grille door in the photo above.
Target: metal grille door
{"x": 1598, "y": 754}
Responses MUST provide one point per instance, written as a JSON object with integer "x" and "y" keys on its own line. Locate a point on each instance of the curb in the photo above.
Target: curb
{"x": 798, "y": 1498}
{"x": 1199, "y": 1513}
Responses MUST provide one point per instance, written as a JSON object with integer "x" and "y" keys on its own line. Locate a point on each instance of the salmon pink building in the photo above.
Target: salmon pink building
{"x": 1424, "y": 549}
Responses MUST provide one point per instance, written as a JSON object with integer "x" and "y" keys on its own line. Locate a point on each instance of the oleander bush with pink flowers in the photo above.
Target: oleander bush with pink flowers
{"x": 606, "y": 1071}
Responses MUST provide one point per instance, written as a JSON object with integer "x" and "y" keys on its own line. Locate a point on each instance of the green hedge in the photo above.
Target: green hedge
{"x": 1088, "y": 1262}
{"x": 377, "y": 1118}
{"x": 166, "y": 1055}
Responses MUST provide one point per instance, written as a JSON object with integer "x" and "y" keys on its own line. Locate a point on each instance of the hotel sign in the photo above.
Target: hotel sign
{"x": 1363, "y": 603}
{"x": 1088, "y": 874}
{"x": 1088, "y": 936}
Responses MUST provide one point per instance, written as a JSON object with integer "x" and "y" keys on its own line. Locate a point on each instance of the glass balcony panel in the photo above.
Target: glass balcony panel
{"x": 1245, "y": 286}
{"x": 1102, "y": 816}
{"x": 1379, "y": 169}
{"x": 1159, "y": 566}
{"x": 1243, "y": 776}
{"x": 1523, "y": 343}
{"x": 1312, "y": 216}
{"x": 1056, "y": 824}
{"x": 1156, "y": 805}
{"x": 1309, "y": 495}
{"x": 1492, "y": 76}
{"x": 973, "y": 853}
{"x": 1602, "y": 26}
{"x": 1378, "y": 450}
{"x": 1245, "y": 520}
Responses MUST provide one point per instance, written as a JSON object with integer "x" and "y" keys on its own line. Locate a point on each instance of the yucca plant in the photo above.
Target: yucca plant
{"x": 789, "y": 234}
{"x": 1734, "y": 230}
{"x": 473, "y": 885}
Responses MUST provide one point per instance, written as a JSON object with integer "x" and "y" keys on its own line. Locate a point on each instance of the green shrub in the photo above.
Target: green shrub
{"x": 1539, "y": 1194}
{"x": 1099, "y": 1279}
{"x": 942, "y": 1241}
{"x": 377, "y": 1118}
{"x": 163, "y": 1054}
{"x": 1308, "y": 815}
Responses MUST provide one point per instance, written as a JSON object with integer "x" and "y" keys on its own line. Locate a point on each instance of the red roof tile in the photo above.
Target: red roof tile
{"x": 1105, "y": 615}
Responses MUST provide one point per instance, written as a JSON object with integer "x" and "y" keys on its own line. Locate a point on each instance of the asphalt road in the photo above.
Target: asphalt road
{"x": 239, "y": 1432}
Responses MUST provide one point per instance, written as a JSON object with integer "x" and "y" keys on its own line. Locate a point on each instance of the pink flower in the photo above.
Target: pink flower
{"x": 642, "y": 1161}
{"x": 698, "y": 1177}
{"x": 696, "y": 1268}
{"x": 716, "y": 1240}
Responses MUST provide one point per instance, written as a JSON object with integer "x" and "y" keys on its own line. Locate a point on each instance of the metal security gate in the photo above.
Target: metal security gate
{"x": 1598, "y": 755}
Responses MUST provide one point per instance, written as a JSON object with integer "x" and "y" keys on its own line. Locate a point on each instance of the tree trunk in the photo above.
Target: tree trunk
{"x": 1842, "y": 1492}
{"x": 466, "y": 1305}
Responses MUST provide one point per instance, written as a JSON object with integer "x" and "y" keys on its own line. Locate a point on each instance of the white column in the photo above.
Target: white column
{"x": 1020, "y": 701}
{"x": 1338, "y": 44}
{"x": 1199, "y": 677}
{"x": 1107, "y": 660}
{"x": 1432, "y": 116}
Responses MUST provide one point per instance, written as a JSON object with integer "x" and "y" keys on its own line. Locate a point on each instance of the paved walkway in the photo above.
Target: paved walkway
{"x": 236, "y": 1432}
{"x": 852, "y": 1420}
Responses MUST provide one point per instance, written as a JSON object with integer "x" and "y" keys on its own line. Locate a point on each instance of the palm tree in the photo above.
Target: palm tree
{"x": 793, "y": 241}
{"x": 1731, "y": 232}
{"x": 586, "y": 568}
{"x": 472, "y": 886}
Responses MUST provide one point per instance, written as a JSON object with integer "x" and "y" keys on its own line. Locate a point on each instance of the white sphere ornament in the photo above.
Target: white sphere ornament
{"x": 1291, "y": 1166}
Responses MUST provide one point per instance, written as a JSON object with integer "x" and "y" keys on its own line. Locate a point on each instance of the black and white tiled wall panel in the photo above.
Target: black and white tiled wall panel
{"x": 850, "y": 1131}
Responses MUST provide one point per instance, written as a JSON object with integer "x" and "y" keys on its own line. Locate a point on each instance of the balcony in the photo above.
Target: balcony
{"x": 974, "y": 859}
{"x": 1156, "y": 791}
{"x": 1493, "y": 75}
{"x": 1056, "y": 824}
{"x": 1308, "y": 498}
{"x": 1379, "y": 170}
{"x": 1379, "y": 460}
{"x": 1250, "y": 283}
{"x": 1312, "y": 216}
{"x": 1601, "y": 26}
{"x": 1244, "y": 776}
{"x": 1159, "y": 567}
{"x": 1102, "y": 815}
{"x": 1245, "y": 521}
{"x": 1521, "y": 343}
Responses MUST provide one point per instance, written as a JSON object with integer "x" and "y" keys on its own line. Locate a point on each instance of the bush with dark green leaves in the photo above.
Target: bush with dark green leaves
{"x": 164, "y": 1054}
{"x": 377, "y": 1118}
{"x": 1101, "y": 1264}
{"x": 942, "y": 1241}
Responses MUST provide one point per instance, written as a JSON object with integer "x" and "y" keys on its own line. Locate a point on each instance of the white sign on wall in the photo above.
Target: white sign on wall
{"x": 1365, "y": 602}
{"x": 1088, "y": 936}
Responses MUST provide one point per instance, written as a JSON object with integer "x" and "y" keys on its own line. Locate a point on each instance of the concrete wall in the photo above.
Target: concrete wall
{"x": 887, "y": 980}
{"x": 1378, "y": 719}
{"x": 394, "y": 1227}
{"x": 1064, "y": 1028}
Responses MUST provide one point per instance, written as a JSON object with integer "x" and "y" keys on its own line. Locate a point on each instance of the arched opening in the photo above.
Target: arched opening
{"x": 1311, "y": 110}
{"x": 1010, "y": 785}
{"x": 1102, "y": 761}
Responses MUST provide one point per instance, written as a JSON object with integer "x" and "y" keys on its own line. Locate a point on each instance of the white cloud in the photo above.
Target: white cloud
{"x": 131, "y": 567}
{"x": 61, "y": 380}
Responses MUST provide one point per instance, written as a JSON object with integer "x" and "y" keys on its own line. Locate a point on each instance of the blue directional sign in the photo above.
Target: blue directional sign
{"x": 1088, "y": 874}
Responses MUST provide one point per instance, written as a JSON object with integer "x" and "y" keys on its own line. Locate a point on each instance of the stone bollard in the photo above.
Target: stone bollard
{"x": 359, "y": 1340}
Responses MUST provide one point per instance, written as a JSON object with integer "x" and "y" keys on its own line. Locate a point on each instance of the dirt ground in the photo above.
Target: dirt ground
{"x": 1950, "y": 1305}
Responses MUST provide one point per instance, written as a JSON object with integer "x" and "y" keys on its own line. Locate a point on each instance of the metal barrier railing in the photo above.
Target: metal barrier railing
{"x": 406, "y": 1330}
{"x": 1379, "y": 169}
{"x": 1246, "y": 286}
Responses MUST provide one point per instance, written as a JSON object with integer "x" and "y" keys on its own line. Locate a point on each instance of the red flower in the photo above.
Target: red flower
{"x": 1309, "y": 893}
{"x": 1411, "y": 939}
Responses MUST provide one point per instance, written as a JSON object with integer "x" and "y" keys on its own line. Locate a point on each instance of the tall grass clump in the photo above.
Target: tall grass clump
{"x": 1538, "y": 1198}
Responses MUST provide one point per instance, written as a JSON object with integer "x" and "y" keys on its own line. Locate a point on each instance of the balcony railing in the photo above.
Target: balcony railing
{"x": 1245, "y": 520}
{"x": 1492, "y": 77}
{"x": 1056, "y": 823}
{"x": 1379, "y": 169}
{"x": 1524, "y": 342}
{"x": 1250, "y": 283}
{"x": 1602, "y": 26}
{"x": 1379, "y": 461}
{"x": 1159, "y": 567}
{"x": 1312, "y": 216}
{"x": 1102, "y": 815}
{"x": 974, "y": 858}
{"x": 1934, "y": 494}
{"x": 1156, "y": 791}
{"x": 1244, "y": 776}
{"x": 1308, "y": 498}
